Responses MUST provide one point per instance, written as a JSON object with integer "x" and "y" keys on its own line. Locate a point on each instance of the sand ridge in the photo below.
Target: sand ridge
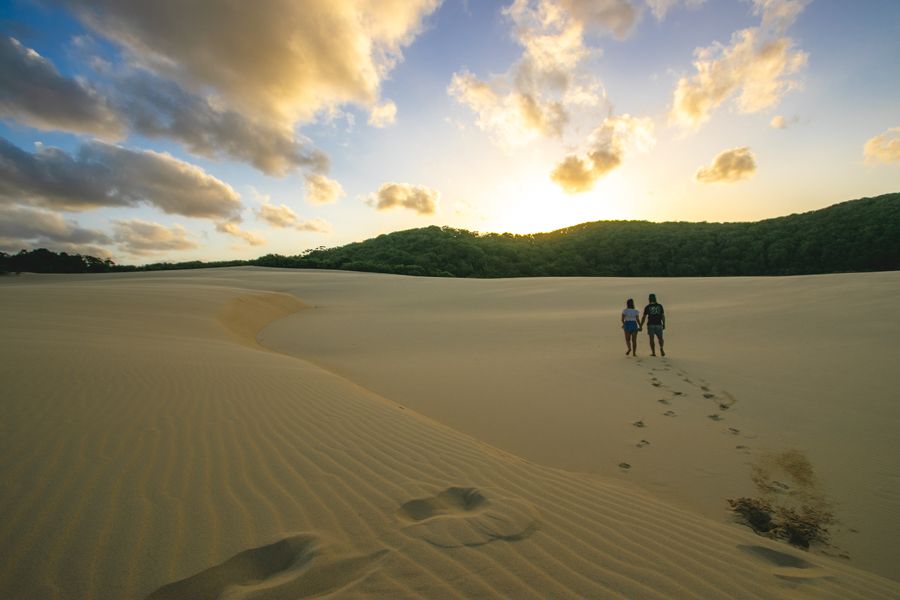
{"x": 149, "y": 453}
{"x": 536, "y": 367}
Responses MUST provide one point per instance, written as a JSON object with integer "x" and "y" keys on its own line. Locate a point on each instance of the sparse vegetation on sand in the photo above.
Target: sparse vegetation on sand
{"x": 800, "y": 527}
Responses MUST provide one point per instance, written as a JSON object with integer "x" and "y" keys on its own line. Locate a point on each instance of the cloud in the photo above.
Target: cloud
{"x": 101, "y": 174}
{"x": 382, "y": 115}
{"x": 607, "y": 146}
{"x": 156, "y": 107}
{"x": 419, "y": 198}
{"x": 232, "y": 228}
{"x": 754, "y": 68}
{"x": 536, "y": 96}
{"x": 659, "y": 8}
{"x": 34, "y": 93}
{"x": 618, "y": 17}
{"x": 511, "y": 118}
{"x": 283, "y": 217}
{"x": 275, "y": 62}
{"x": 26, "y": 228}
{"x": 778, "y": 122}
{"x": 321, "y": 189}
{"x": 729, "y": 166}
{"x": 135, "y": 99}
{"x": 141, "y": 238}
{"x": 884, "y": 147}
{"x": 206, "y": 74}
{"x": 779, "y": 14}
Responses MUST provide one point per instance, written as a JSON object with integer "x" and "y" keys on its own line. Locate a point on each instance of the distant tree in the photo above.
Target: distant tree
{"x": 859, "y": 235}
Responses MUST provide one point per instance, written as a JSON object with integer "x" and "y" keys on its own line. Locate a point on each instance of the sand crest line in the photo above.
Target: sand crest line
{"x": 246, "y": 315}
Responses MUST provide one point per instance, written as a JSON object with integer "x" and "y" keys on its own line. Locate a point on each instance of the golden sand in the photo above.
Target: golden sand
{"x": 260, "y": 433}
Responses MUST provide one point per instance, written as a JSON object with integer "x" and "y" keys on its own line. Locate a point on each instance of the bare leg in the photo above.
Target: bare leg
{"x": 628, "y": 343}
{"x": 652, "y": 346}
{"x": 661, "y": 351}
{"x": 634, "y": 343}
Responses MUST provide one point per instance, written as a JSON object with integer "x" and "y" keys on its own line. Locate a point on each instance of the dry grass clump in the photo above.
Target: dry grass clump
{"x": 800, "y": 526}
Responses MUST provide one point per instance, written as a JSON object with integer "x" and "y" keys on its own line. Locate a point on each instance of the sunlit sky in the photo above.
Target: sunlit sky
{"x": 167, "y": 130}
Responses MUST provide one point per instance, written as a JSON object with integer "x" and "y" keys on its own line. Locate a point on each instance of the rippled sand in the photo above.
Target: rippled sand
{"x": 256, "y": 433}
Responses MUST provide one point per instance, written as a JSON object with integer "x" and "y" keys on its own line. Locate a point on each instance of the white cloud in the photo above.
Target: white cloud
{"x": 283, "y": 217}
{"x": 884, "y": 147}
{"x": 232, "y": 228}
{"x": 754, "y": 69}
{"x": 220, "y": 79}
{"x": 156, "y": 107}
{"x": 382, "y": 115}
{"x": 322, "y": 190}
{"x": 659, "y": 8}
{"x": 152, "y": 106}
{"x": 25, "y": 228}
{"x": 618, "y": 17}
{"x": 536, "y": 96}
{"x": 607, "y": 147}
{"x": 140, "y": 238}
{"x": 101, "y": 174}
{"x": 273, "y": 62}
{"x": 729, "y": 166}
{"x": 778, "y": 122}
{"x": 423, "y": 200}
{"x": 36, "y": 94}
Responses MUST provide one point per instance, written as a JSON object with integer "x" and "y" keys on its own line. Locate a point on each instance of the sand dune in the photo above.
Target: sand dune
{"x": 153, "y": 446}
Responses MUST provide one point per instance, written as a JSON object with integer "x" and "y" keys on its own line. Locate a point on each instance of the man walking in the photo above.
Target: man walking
{"x": 656, "y": 323}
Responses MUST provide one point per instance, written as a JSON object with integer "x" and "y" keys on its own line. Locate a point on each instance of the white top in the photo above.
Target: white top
{"x": 631, "y": 314}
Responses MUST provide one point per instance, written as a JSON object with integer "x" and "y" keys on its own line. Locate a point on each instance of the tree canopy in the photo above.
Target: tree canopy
{"x": 859, "y": 235}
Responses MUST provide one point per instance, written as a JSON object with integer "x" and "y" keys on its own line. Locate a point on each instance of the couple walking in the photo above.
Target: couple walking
{"x": 656, "y": 323}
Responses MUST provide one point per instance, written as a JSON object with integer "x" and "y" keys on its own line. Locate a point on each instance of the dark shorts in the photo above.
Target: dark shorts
{"x": 656, "y": 330}
{"x": 631, "y": 326}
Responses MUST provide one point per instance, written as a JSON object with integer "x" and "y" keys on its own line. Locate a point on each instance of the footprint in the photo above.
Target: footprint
{"x": 669, "y": 413}
{"x": 664, "y": 401}
{"x": 655, "y": 383}
{"x": 779, "y": 486}
{"x": 624, "y": 465}
{"x": 450, "y": 501}
{"x": 729, "y": 399}
{"x": 639, "y": 424}
{"x": 678, "y": 393}
{"x": 466, "y": 516}
{"x": 734, "y": 430}
{"x": 705, "y": 388}
{"x": 724, "y": 406}
{"x": 714, "y": 417}
{"x": 300, "y": 566}
{"x": 642, "y": 443}
{"x": 709, "y": 396}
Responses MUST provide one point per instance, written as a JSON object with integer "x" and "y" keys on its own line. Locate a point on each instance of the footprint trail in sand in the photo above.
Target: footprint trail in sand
{"x": 684, "y": 393}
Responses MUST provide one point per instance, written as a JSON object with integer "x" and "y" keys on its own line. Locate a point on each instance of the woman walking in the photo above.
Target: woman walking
{"x": 630, "y": 324}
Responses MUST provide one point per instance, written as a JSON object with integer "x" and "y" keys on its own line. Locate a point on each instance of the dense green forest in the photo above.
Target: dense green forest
{"x": 859, "y": 235}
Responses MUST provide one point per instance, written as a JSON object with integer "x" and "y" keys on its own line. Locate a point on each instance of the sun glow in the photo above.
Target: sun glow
{"x": 534, "y": 204}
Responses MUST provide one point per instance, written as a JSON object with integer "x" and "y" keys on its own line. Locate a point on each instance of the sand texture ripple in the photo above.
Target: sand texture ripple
{"x": 155, "y": 445}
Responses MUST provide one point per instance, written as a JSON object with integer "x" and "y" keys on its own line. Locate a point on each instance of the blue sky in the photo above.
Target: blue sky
{"x": 148, "y": 131}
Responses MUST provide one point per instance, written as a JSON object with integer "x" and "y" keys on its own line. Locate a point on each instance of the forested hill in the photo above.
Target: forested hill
{"x": 859, "y": 235}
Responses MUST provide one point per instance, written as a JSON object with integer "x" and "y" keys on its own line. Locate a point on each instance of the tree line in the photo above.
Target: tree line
{"x": 859, "y": 235}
